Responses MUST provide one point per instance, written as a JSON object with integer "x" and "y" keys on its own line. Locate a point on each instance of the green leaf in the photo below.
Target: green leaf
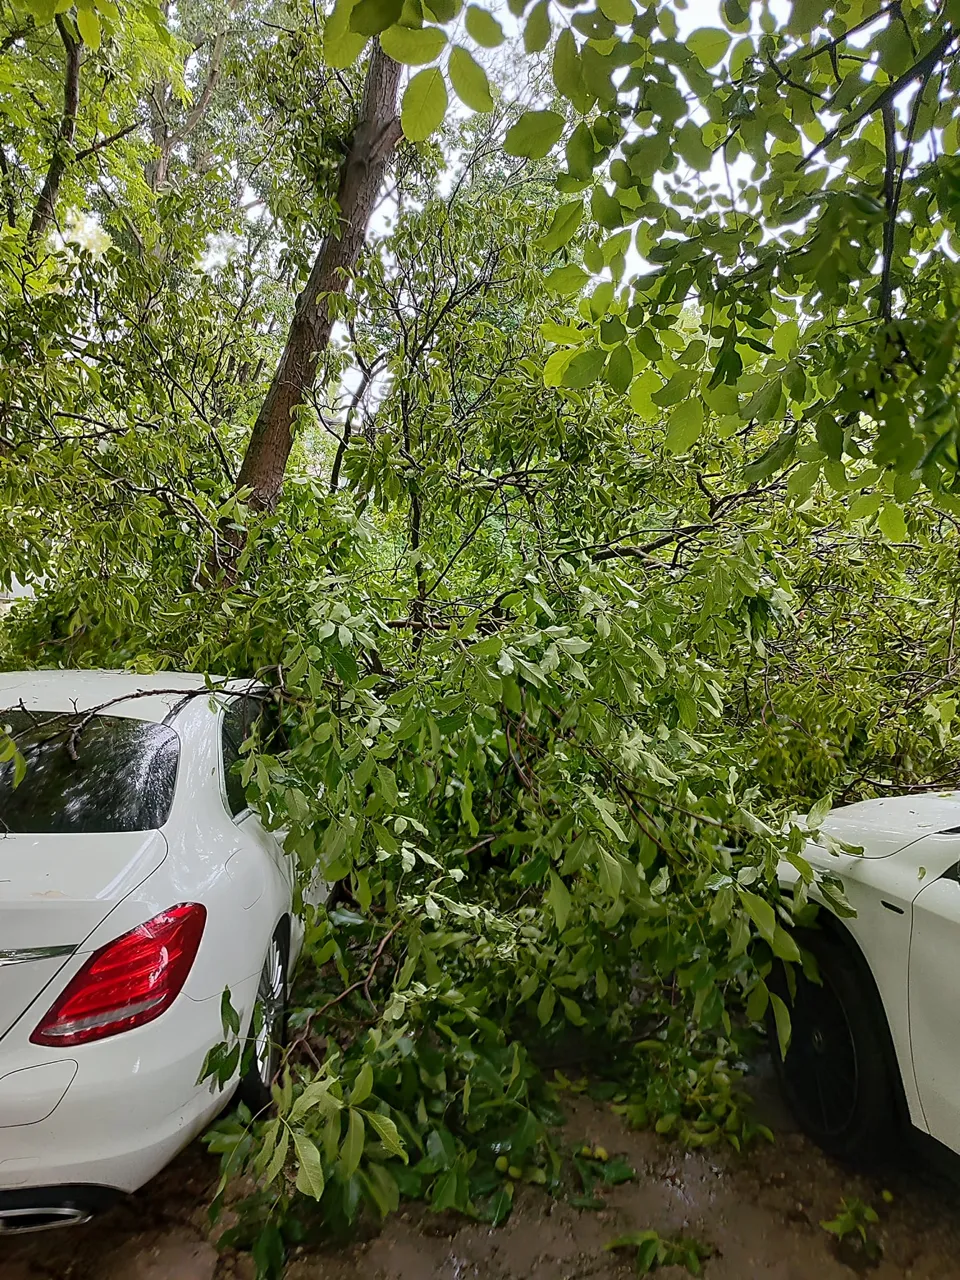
{"x": 566, "y": 280}
{"x": 572, "y": 1012}
{"x": 781, "y": 1016}
{"x": 362, "y": 1086}
{"x": 783, "y": 946}
{"x": 341, "y": 45}
{"x": 802, "y": 480}
{"x": 606, "y": 209}
{"x": 558, "y": 899}
{"x": 382, "y": 1185}
{"x": 684, "y": 427}
{"x": 88, "y": 24}
{"x": 352, "y": 1148}
{"x": 387, "y": 1132}
{"x": 278, "y": 1159}
{"x": 424, "y": 104}
{"x": 556, "y": 367}
{"x": 610, "y": 874}
{"x": 229, "y": 1018}
{"x": 310, "y": 1179}
{"x": 414, "y": 46}
{"x": 501, "y": 1204}
{"x": 619, "y": 11}
{"x": 709, "y": 44}
{"x": 619, "y": 370}
{"x": 546, "y": 1006}
{"x": 785, "y": 338}
{"x": 760, "y": 912}
{"x": 585, "y": 367}
{"x": 469, "y": 80}
{"x": 483, "y": 27}
{"x": 757, "y": 1002}
{"x": 691, "y": 148}
{"x": 763, "y": 404}
{"x": 370, "y": 17}
{"x": 892, "y": 524}
{"x": 563, "y": 227}
{"x": 776, "y": 457}
{"x": 316, "y": 1096}
{"x": 536, "y": 34}
{"x": 534, "y": 134}
{"x": 868, "y": 504}
{"x": 567, "y": 74}
{"x": 580, "y": 152}
{"x": 819, "y": 811}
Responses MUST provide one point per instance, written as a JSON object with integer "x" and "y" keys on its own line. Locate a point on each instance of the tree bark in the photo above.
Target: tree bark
{"x": 374, "y": 141}
{"x": 47, "y": 200}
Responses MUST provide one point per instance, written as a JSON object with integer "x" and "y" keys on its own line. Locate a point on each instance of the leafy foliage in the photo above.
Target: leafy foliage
{"x": 619, "y": 528}
{"x": 853, "y": 1228}
{"x": 653, "y": 1251}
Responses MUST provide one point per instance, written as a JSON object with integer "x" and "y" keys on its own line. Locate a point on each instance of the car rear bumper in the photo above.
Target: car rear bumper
{"x": 129, "y": 1104}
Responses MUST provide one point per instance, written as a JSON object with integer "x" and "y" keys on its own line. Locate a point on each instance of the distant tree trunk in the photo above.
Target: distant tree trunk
{"x": 164, "y": 136}
{"x": 374, "y": 141}
{"x": 47, "y": 200}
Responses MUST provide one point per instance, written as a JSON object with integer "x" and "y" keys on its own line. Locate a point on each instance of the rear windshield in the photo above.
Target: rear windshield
{"x": 108, "y": 773}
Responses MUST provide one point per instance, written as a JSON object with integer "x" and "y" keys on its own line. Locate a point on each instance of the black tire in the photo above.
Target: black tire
{"x": 268, "y": 1027}
{"x": 840, "y": 1077}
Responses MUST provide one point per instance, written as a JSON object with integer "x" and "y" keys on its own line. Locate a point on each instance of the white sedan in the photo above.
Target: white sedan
{"x": 136, "y": 884}
{"x": 876, "y": 1043}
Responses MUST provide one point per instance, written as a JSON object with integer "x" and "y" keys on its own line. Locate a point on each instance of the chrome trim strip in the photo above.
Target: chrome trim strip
{"x": 24, "y": 955}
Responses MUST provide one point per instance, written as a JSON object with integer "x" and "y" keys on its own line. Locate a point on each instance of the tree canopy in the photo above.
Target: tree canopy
{"x": 556, "y": 405}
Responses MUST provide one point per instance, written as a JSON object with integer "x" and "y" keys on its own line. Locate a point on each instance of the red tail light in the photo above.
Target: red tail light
{"x": 128, "y": 982}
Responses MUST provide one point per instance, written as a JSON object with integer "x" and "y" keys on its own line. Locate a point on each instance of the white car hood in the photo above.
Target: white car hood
{"x": 882, "y": 827}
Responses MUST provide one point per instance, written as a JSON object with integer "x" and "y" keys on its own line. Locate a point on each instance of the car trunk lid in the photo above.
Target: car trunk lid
{"x": 54, "y": 891}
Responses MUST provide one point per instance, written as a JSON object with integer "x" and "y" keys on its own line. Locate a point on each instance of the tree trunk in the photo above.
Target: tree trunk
{"x": 47, "y": 200}
{"x": 373, "y": 143}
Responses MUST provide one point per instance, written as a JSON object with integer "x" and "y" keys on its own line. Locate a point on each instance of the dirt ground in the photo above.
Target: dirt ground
{"x": 760, "y": 1213}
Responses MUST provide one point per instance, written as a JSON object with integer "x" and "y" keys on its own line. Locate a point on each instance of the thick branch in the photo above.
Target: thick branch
{"x": 9, "y": 200}
{"x": 922, "y": 69}
{"x": 373, "y": 144}
{"x": 344, "y": 442}
{"x": 889, "y": 116}
{"x": 105, "y": 142}
{"x": 47, "y": 200}
{"x": 830, "y": 45}
{"x": 168, "y": 141}
{"x": 893, "y": 193}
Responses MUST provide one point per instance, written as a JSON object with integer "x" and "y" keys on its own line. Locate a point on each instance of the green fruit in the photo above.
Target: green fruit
{"x": 515, "y": 1172}
{"x": 502, "y": 1165}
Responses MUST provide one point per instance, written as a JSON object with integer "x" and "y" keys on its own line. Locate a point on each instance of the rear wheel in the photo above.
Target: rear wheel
{"x": 268, "y": 1028}
{"x": 839, "y": 1075}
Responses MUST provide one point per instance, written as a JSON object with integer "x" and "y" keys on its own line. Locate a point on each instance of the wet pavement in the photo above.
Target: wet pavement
{"x": 759, "y": 1213}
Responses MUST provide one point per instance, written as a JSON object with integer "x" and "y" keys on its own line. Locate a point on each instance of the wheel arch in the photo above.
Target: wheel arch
{"x": 831, "y": 926}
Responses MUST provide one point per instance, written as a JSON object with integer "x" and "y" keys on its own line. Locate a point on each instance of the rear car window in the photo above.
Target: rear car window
{"x": 108, "y": 773}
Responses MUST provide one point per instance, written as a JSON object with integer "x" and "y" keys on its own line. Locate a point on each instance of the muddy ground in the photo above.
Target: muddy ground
{"x": 760, "y": 1212}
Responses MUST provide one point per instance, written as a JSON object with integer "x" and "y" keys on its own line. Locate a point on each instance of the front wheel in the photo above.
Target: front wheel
{"x": 268, "y": 1029}
{"x": 839, "y": 1074}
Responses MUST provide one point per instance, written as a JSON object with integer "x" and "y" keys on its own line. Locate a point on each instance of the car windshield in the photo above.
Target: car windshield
{"x": 86, "y": 774}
